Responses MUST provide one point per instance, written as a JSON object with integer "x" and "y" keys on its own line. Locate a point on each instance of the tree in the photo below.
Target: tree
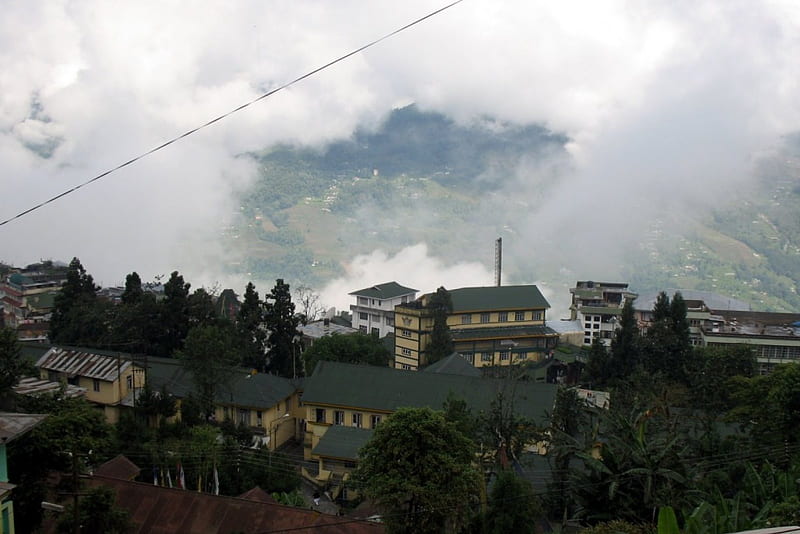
{"x": 200, "y": 309}
{"x": 418, "y": 468}
{"x": 308, "y": 301}
{"x": 251, "y": 330}
{"x": 598, "y": 365}
{"x": 351, "y": 348}
{"x": 667, "y": 343}
{"x": 174, "y": 309}
{"x": 625, "y": 345}
{"x": 211, "y": 356}
{"x": 78, "y": 318}
{"x": 281, "y": 322}
{"x": 441, "y": 344}
{"x": 513, "y": 505}
{"x": 97, "y": 513}
{"x": 133, "y": 289}
{"x": 12, "y": 366}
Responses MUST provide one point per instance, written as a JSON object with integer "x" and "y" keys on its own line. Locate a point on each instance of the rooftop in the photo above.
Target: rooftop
{"x": 501, "y": 332}
{"x": 342, "y": 442}
{"x": 341, "y": 384}
{"x": 389, "y": 290}
{"x": 119, "y": 467}
{"x": 495, "y": 298}
{"x": 455, "y": 364}
{"x": 13, "y": 425}
{"x": 37, "y": 386}
{"x": 82, "y": 362}
{"x": 319, "y": 329}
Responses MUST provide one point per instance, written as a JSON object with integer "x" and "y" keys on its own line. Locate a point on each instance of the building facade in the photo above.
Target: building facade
{"x": 598, "y": 306}
{"x": 373, "y": 312}
{"x": 490, "y": 326}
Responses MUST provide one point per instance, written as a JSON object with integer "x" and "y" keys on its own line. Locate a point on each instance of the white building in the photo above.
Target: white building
{"x": 373, "y": 311}
{"x": 598, "y": 306}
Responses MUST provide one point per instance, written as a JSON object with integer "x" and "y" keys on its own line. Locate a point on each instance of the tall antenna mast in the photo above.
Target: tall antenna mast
{"x": 498, "y": 260}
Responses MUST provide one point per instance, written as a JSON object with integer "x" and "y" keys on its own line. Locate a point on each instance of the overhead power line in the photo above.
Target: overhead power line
{"x": 231, "y": 112}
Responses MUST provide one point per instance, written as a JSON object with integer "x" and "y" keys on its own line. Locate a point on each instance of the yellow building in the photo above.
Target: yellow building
{"x": 502, "y": 325}
{"x": 268, "y": 404}
{"x": 110, "y": 379}
{"x": 344, "y": 403}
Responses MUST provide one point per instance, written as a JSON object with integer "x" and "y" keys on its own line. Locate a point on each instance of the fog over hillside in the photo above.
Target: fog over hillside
{"x": 666, "y": 109}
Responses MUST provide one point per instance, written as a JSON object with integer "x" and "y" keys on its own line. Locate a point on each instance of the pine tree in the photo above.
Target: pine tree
{"x": 251, "y": 330}
{"x": 625, "y": 346}
{"x": 281, "y": 322}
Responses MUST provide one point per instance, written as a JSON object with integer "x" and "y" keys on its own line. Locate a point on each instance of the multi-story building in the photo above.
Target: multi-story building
{"x": 341, "y": 413}
{"x": 29, "y": 296}
{"x": 496, "y": 325}
{"x": 373, "y": 311}
{"x": 697, "y": 313}
{"x": 598, "y": 306}
{"x": 775, "y": 337}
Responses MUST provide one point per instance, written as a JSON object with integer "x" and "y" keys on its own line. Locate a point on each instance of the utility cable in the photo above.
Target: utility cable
{"x": 231, "y": 112}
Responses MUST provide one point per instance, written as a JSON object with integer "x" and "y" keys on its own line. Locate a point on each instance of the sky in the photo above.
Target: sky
{"x": 667, "y": 106}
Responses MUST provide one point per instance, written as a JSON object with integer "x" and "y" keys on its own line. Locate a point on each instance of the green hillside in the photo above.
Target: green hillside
{"x": 421, "y": 177}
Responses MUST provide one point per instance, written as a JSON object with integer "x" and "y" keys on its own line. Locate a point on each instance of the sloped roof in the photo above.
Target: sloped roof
{"x": 83, "y": 362}
{"x": 455, "y": 364}
{"x": 37, "y": 386}
{"x": 342, "y": 442}
{"x": 493, "y": 298}
{"x": 386, "y": 389}
{"x": 258, "y": 391}
{"x": 159, "y": 510}
{"x": 257, "y": 494}
{"x": 119, "y": 467}
{"x": 389, "y": 290}
{"x": 13, "y": 425}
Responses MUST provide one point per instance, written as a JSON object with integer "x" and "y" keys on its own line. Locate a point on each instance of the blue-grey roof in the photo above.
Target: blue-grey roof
{"x": 342, "y": 442}
{"x": 389, "y": 290}
{"x": 455, "y": 364}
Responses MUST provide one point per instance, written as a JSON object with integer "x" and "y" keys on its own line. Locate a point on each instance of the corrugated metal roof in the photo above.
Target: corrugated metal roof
{"x": 83, "y": 363}
{"x": 491, "y": 298}
{"x": 13, "y": 425}
{"x": 38, "y": 386}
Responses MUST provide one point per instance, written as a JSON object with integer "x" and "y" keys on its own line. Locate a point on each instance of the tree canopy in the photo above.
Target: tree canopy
{"x": 350, "y": 348}
{"x": 418, "y": 468}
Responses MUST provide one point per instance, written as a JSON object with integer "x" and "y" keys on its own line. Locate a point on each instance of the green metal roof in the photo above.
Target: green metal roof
{"x": 342, "y": 442}
{"x": 501, "y": 332}
{"x": 600, "y": 310}
{"x": 385, "y": 389}
{"x": 389, "y": 290}
{"x": 256, "y": 391}
{"x": 455, "y": 364}
{"x": 492, "y": 298}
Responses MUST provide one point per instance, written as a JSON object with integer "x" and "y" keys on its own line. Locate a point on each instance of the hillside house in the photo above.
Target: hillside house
{"x": 598, "y": 307}
{"x": 490, "y": 326}
{"x": 110, "y": 379}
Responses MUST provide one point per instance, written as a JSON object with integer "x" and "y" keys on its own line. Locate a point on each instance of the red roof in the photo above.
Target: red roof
{"x": 257, "y": 494}
{"x": 158, "y": 510}
{"x": 119, "y": 467}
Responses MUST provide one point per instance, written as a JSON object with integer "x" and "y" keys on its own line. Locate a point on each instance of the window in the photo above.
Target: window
{"x": 338, "y": 417}
{"x": 244, "y": 417}
{"x": 405, "y": 333}
{"x": 486, "y": 356}
{"x": 519, "y": 316}
{"x": 95, "y": 385}
{"x": 259, "y": 418}
{"x": 469, "y": 357}
{"x": 502, "y": 317}
{"x": 587, "y": 332}
{"x": 362, "y": 300}
{"x": 225, "y": 414}
{"x": 587, "y": 341}
{"x": 537, "y": 316}
{"x": 466, "y": 319}
{"x": 405, "y": 351}
{"x": 129, "y": 381}
{"x": 373, "y": 302}
{"x": 403, "y": 300}
{"x": 484, "y": 317}
{"x": 405, "y": 367}
{"x": 522, "y": 356}
{"x": 376, "y": 332}
{"x": 587, "y": 325}
{"x": 389, "y": 321}
{"x": 374, "y": 420}
{"x": 596, "y": 326}
{"x": 376, "y": 318}
{"x": 597, "y": 318}
{"x": 319, "y": 415}
{"x": 288, "y": 405}
{"x": 362, "y": 329}
{"x": 363, "y": 316}
{"x": 505, "y": 356}
{"x": 357, "y": 420}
